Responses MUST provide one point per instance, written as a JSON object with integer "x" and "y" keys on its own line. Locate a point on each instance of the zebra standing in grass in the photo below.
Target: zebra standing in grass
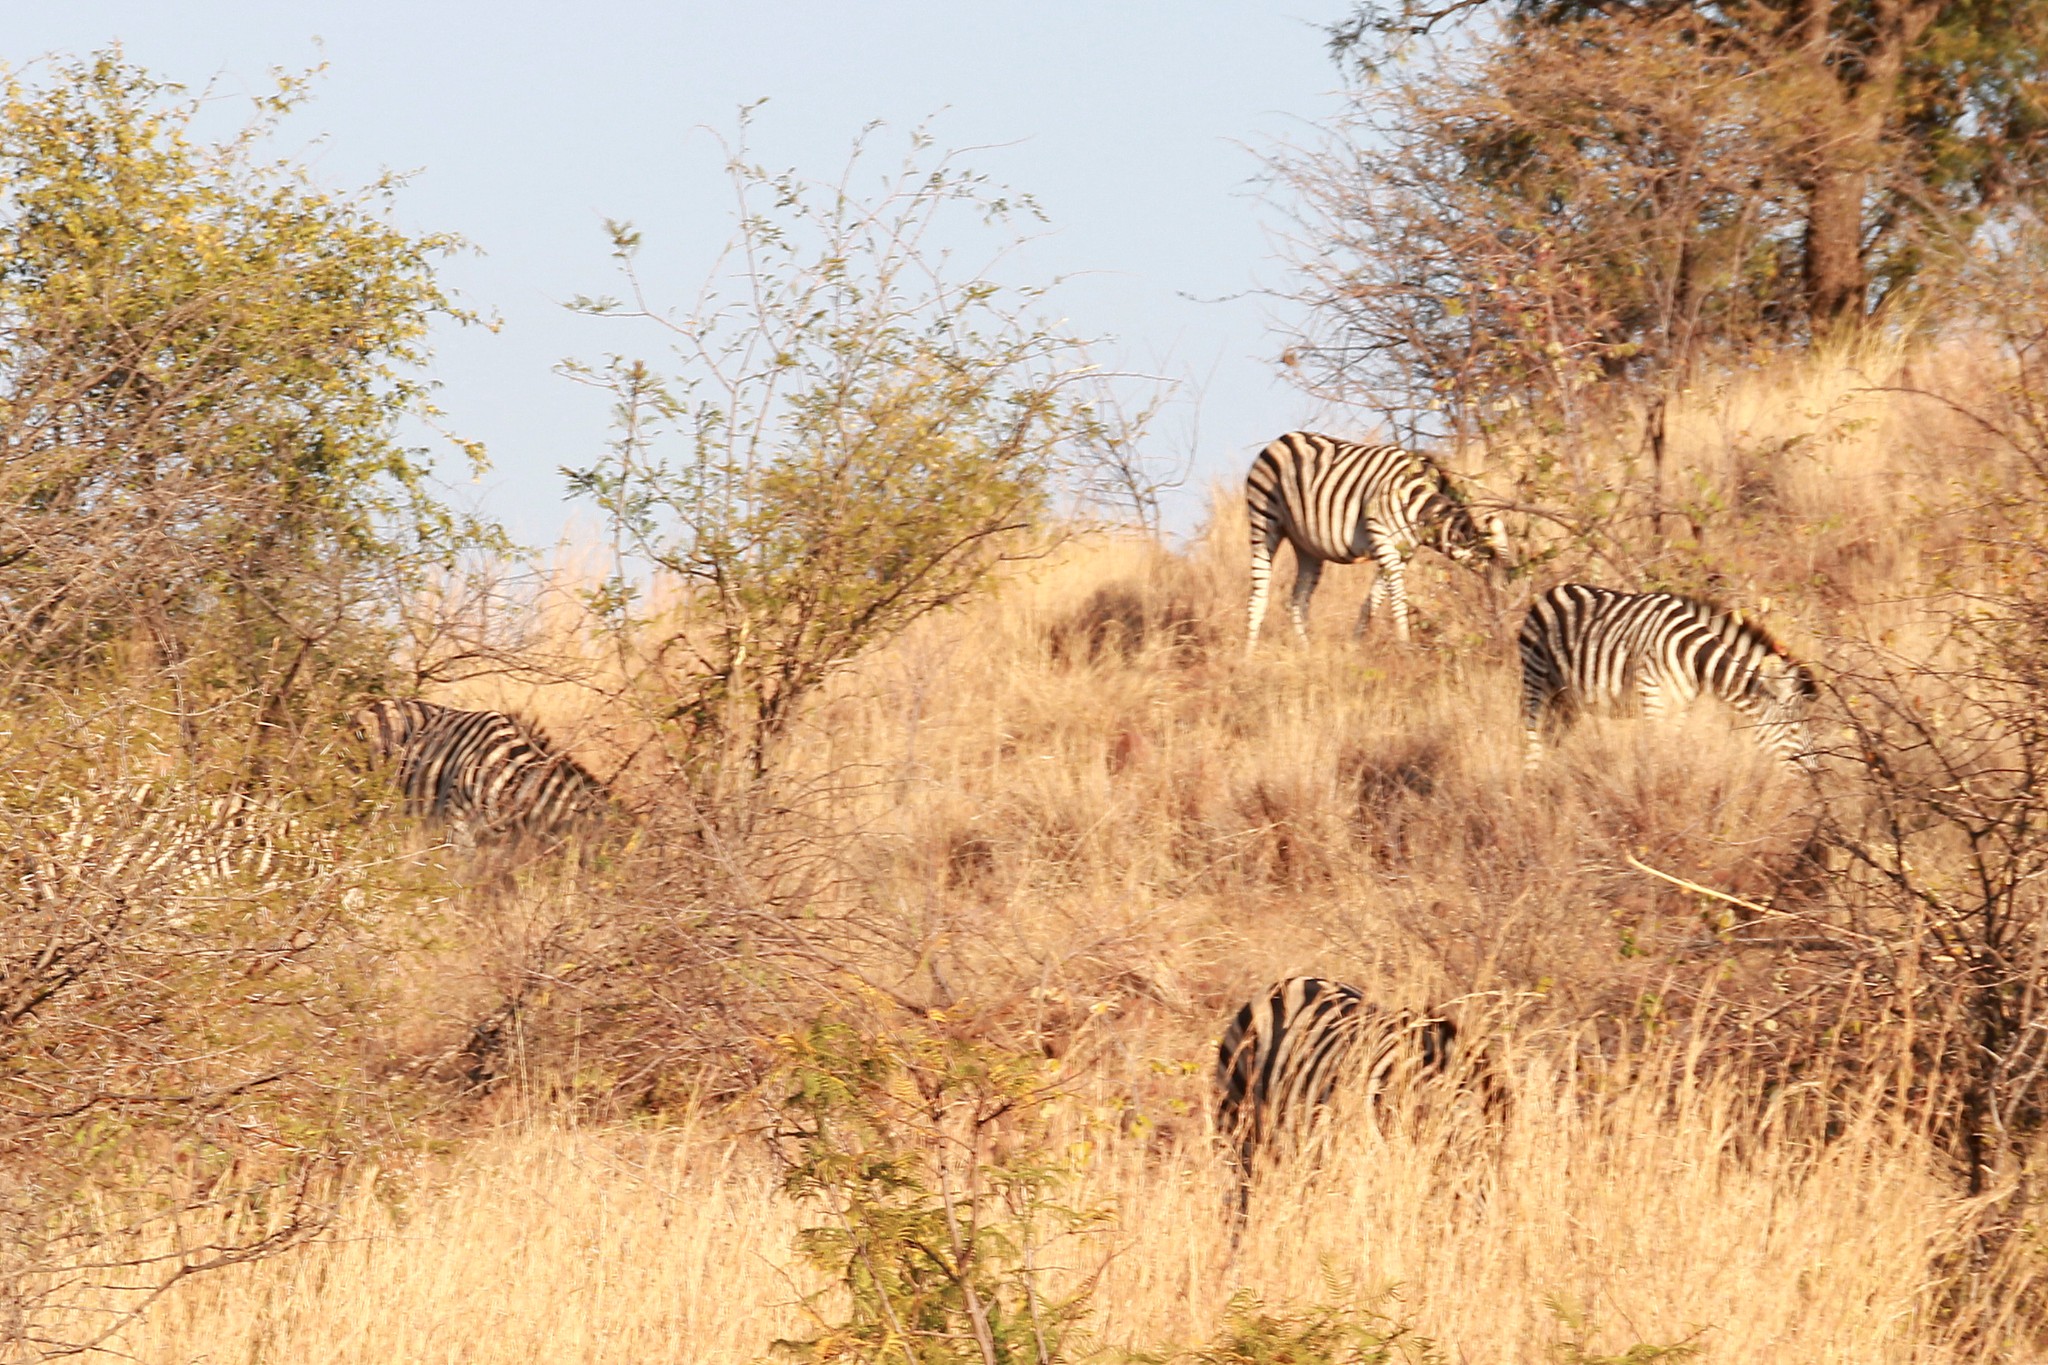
{"x": 491, "y": 776}
{"x": 1586, "y": 648}
{"x": 1338, "y": 502}
{"x": 1287, "y": 1053}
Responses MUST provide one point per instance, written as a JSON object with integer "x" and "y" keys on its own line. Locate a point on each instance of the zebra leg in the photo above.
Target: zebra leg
{"x": 1536, "y": 713}
{"x": 1308, "y": 571}
{"x": 1532, "y": 744}
{"x": 1543, "y": 703}
{"x": 1652, "y": 700}
{"x": 1394, "y": 578}
{"x": 1372, "y": 599}
{"x": 1265, "y": 540}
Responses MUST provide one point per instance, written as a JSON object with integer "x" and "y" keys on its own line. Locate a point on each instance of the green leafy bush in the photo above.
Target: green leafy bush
{"x": 927, "y": 1158}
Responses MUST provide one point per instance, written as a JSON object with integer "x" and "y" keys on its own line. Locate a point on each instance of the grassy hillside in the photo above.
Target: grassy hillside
{"x": 1075, "y": 820}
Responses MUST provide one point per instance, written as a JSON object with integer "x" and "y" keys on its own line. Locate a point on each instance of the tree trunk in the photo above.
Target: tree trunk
{"x": 1867, "y": 91}
{"x": 1836, "y": 282}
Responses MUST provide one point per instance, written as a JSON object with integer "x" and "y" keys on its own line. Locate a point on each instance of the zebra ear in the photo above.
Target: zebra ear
{"x": 362, "y": 722}
{"x": 1496, "y": 535}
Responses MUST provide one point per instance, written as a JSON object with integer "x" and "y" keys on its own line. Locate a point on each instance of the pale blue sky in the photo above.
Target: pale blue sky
{"x": 1131, "y": 121}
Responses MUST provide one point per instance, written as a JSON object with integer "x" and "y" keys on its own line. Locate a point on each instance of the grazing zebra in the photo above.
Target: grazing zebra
{"x": 1286, "y": 1054}
{"x": 490, "y": 776}
{"x": 1338, "y": 502}
{"x": 155, "y": 842}
{"x": 1586, "y": 648}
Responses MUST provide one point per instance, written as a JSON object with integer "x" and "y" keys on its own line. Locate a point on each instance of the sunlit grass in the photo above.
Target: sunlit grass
{"x": 1100, "y": 841}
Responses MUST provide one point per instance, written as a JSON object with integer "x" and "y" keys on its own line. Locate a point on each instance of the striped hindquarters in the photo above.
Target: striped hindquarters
{"x": 166, "y": 845}
{"x": 491, "y": 775}
{"x": 1288, "y": 1053}
{"x": 1594, "y": 649}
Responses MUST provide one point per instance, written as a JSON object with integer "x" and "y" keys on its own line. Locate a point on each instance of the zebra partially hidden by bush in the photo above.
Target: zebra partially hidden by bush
{"x": 492, "y": 778}
{"x": 1337, "y": 502}
{"x": 1651, "y": 653}
{"x": 157, "y": 852}
{"x": 1307, "y": 1044}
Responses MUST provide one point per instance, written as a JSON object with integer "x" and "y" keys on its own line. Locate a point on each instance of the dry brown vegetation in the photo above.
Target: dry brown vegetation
{"x": 1634, "y": 1215}
{"x": 875, "y": 1023}
{"x": 1072, "y": 820}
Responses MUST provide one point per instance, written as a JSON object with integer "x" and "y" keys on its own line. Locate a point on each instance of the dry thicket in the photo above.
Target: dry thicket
{"x": 1073, "y": 822}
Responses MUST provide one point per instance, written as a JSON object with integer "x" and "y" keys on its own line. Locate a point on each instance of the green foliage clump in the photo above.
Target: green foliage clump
{"x": 859, "y": 433}
{"x": 942, "y": 1199}
{"x": 203, "y": 360}
{"x": 1580, "y": 1329}
{"x": 1342, "y": 1330}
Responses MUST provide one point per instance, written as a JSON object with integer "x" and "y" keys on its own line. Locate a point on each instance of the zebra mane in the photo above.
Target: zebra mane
{"x": 1440, "y": 476}
{"x": 1743, "y": 625}
{"x": 541, "y": 740}
{"x": 1735, "y": 626}
{"x": 1446, "y": 487}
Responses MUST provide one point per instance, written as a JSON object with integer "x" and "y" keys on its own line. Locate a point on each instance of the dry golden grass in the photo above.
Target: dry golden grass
{"x": 1081, "y": 818}
{"x": 552, "y": 1246}
{"x": 1661, "y": 1214}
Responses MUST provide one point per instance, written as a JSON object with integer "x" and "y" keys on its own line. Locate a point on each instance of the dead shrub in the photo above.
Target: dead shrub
{"x": 1283, "y": 840}
{"x": 1393, "y": 785}
{"x": 970, "y": 859}
{"x": 1122, "y": 622}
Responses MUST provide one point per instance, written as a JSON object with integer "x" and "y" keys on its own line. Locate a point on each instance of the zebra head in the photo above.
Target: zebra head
{"x": 1496, "y": 528}
{"x": 1437, "y": 1037}
{"x": 387, "y": 725}
{"x": 1453, "y": 530}
{"x": 1475, "y": 541}
{"x": 1784, "y": 693}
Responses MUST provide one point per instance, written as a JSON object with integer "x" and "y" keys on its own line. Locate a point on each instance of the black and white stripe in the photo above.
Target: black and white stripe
{"x": 1651, "y": 653}
{"x": 164, "y": 844}
{"x": 1290, "y": 1052}
{"x": 492, "y": 777}
{"x": 1338, "y": 502}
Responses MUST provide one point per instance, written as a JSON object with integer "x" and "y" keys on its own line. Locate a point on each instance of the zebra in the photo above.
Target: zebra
{"x": 1588, "y": 648}
{"x": 492, "y": 777}
{"x": 164, "y": 843}
{"x": 1286, "y": 1054}
{"x": 1338, "y": 502}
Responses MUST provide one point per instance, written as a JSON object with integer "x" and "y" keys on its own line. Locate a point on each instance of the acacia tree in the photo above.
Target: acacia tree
{"x": 1921, "y": 119}
{"x": 1536, "y": 220}
{"x": 861, "y": 430}
{"x": 203, "y": 359}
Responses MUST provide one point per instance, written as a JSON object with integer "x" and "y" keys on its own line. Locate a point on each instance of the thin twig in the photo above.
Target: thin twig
{"x": 1641, "y": 866}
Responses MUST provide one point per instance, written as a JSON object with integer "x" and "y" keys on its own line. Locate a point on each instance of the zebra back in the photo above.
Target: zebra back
{"x": 1593, "y": 648}
{"x": 1287, "y": 1053}
{"x": 492, "y": 776}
